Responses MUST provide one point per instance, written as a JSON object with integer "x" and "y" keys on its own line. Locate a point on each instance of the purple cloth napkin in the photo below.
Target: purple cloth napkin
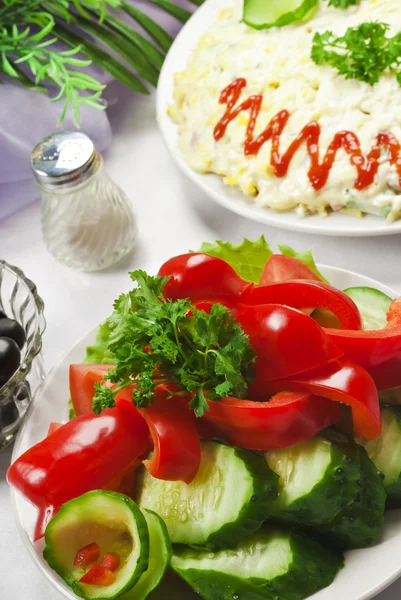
{"x": 27, "y": 117}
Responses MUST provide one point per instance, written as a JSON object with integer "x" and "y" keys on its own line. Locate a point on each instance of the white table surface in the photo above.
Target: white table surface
{"x": 173, "y": 217}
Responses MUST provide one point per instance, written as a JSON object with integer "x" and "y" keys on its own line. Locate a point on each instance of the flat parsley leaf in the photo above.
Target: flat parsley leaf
{"x": 155, "y": 341}
{"x": 364, "y": 53}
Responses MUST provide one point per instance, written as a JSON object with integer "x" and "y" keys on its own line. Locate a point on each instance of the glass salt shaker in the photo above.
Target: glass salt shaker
{"x": 87, "y": 220}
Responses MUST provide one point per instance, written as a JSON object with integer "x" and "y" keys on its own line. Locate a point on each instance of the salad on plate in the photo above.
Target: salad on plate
{"x": 235, "y": 422}
{"x": 296, "y": 104}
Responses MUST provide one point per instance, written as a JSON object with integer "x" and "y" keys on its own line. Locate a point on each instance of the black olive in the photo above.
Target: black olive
{"x": 3, "y": 315}
{"x": 10, "y": 359}
{"x": 8, "y": 414}
{"x": 13, "y": 330}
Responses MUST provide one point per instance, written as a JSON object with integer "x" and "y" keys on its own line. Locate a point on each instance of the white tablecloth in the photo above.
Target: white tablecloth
{"x": 173, "y": 217}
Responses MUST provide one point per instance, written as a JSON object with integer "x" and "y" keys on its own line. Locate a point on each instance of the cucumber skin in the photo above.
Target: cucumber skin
{"x": 360, "y": 523}
{"x": 330, "y": 496}
{"x": 315, "y": 568}
{"x": 142, "y": 562}
{"x": 394, "y": 489}
{"x": 255, "y": 512}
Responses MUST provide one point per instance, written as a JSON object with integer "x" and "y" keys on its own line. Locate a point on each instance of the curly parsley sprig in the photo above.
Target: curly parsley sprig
{"x": 364, "y": 53}
{"x": 159, "y": 341}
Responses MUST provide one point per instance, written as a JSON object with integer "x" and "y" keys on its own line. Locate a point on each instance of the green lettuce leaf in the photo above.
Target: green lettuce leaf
{"x": 304, "y": 257}
{"x": 248, "y": 259}
{"x": 99, "y": 353}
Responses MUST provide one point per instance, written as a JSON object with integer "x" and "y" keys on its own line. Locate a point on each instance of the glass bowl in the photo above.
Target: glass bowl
{"x": 19, "y": 300}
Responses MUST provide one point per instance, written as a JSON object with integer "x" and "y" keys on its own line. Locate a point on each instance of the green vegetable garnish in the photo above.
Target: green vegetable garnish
{"x": 261, "y": 14}
{"x": 343, "y": 3}
{"x": 29, "y": 30}
{"x": 205, "y": 354}
{"x": 364, "y": 53}
{"x": 248, "y": 259}
{"x": 99, "y": 352}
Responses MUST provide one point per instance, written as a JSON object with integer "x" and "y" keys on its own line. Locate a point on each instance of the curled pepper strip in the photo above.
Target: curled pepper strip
{"x": 85, "y": 454}
{"x": 285, "y": 340}
{"x": 347, "y": 383}
{"x": 288, "y": 418}
{"x": 377, "y": 351}
{"x": 307, "y": 294}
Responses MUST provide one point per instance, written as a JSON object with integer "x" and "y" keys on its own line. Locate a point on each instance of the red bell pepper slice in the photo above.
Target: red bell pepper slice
{"x": 87, "y": 555}
{"x": 98, "y": 575}
{"x": 201, "y": 277}
{"x": 285, "y": 340}
{"x": 84, "y": 454}
{"x": 172, "y": 424}
{"x": 308, "y": 294}
{"x": 285, "y": 268}
{"x": 345, "y": 382}
{"x": 111, "y": 560}
{"x": 82, "y": 382}
{"x": 288, "y": 418}
{"x": 377, "y": 351}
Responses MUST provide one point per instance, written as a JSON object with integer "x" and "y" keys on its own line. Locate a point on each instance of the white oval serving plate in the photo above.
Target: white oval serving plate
{"x": 367, "y": 571}
{"x": 335, "y": 224}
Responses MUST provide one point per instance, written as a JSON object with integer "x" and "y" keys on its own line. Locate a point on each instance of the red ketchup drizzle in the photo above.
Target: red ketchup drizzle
{"x": 366, "y": 166}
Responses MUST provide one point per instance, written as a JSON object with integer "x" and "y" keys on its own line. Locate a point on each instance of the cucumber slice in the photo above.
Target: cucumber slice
{"x": 111, "y": 520}
{"x": 385, "y": 452}
{"x": 317, "y": 480}
{"x": 160, "y": 552}
{"x": 360, "y": 523}
{"x": 272, "y": 563}
{"x": 261, "y": 14}
{"x": 232, "y": 494}
{"x": 373, "y": 306}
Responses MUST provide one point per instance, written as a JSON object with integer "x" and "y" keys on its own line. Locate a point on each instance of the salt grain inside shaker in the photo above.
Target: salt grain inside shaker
{"x": 87, "y": 220}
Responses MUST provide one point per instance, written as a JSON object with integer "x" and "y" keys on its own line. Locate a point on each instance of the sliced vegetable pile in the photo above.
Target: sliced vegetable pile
{"x": 234, "y": 397}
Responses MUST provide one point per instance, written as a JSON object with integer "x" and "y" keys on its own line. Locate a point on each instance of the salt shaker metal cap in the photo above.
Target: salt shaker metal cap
{"x": 87, "y": 220}
{"x": 64, "y": 158}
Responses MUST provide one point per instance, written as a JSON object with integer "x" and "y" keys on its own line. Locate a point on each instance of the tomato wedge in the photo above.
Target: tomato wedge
{"x": 98, "y": 575}
{"x": 285, "y": 268}
{"x": 346, "y": 382}
{"x": 111, "y": 560}
{"x": 84, "y": 454}
{"x": 177, "y": 453}
{"x": 288, "y": 418}
{"x": 201, "y": 277}
{"x": 87, "y": 555}
{"x": 82, "y": 381}
{"x": 378, "y": 351}
{"x": 308, "y": 294}
{"x": 53, "y": 427}
{"x": 285, "y": 340}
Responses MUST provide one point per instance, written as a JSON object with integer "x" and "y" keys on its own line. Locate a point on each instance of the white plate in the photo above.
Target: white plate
{"x": 229, "y": 197}
{"x": 367, "y": 571}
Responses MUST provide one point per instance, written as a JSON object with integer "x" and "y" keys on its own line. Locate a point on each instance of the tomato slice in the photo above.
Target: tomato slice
{"x": 98, "y": 575}
{"x": 285, "y": 268}
{"x": 308, "y": 294}
{"x": 285, "y": 340}
{"x": 345, "y": 382}
{"x": 288, "y": 418}
{"x": 87, "y": 555}
{"x": 111, "y": 560}
{"x": 82, "y": 381}
{"x": 177, "y": 453}
{"x": 53, "y": 427}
